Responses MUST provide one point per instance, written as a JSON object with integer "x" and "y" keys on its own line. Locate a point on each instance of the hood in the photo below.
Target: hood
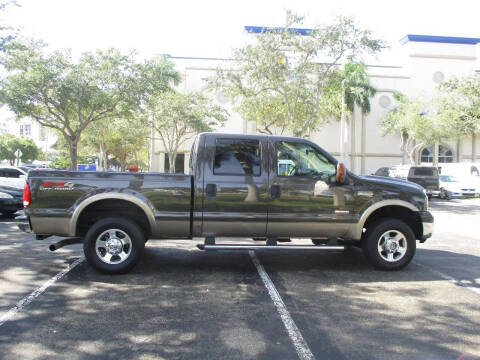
{"x": 391, "y": 182}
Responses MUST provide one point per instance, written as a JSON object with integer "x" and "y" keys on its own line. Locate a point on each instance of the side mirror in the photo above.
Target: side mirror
{"x": 22, "y": 176}
{"x": 341, "y": 175}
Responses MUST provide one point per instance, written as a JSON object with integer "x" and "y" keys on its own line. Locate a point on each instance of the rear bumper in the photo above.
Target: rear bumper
{"x": 23, "y": 224}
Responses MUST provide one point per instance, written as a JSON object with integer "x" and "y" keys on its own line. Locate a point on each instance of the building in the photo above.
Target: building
{"x": 427, "y": 61}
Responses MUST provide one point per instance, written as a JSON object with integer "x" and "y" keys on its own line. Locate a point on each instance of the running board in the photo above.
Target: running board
{"x": 269, "y": 247}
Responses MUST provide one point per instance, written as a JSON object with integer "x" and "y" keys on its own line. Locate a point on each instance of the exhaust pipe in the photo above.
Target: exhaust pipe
{"x": 65, "y": 242}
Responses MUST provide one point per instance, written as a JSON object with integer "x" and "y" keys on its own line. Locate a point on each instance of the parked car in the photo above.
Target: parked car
{"x": 11, "y": 199}
{"x": 427, "y": 177}
{"x": 451, "y": 187}
{"x": 257, "y": 186}
{"x": 13, "y": 176}
{"x": 383, "y": 171}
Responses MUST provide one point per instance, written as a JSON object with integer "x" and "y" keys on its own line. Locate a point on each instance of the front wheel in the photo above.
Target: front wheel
{"x": 113, "y": 245}
{"x": 389, "y": 244}
{"x": 444, "y": 194}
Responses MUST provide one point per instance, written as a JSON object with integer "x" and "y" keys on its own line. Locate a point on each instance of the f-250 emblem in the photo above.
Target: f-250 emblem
{"x": 56, "y": 185}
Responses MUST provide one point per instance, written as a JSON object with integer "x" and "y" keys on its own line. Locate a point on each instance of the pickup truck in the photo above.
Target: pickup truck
{"x": 269, "y": 188}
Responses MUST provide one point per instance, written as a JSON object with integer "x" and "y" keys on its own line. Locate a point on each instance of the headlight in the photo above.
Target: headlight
{"x": 4, "y": 195}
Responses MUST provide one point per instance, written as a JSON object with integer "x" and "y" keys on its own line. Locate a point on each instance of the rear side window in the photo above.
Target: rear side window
{"x": 424, "y": 171}
{"x": 237, "y": 157}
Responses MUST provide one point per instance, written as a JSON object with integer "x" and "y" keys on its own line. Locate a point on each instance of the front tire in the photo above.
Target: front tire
{"x": 389, "y": 244}
{"x": 114, "y": 245}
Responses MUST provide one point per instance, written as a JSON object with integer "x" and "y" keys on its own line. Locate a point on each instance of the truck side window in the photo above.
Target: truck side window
{"x": 299, "y": 159}
{"x": 237, "y": 157}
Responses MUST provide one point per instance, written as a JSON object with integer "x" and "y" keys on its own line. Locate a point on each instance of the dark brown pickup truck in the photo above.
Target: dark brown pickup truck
{"x": 268, "y": 188}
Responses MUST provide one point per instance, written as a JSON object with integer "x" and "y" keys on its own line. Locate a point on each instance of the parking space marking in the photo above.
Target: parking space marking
{"x": 449, "y": 278}
{"x": 10, "y": 314}
{"x": 294, "y": 333}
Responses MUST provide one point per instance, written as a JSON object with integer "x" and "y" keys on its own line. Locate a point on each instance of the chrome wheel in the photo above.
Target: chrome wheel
{"x": 392, "y": 245}
{"x": 113, "y": 246}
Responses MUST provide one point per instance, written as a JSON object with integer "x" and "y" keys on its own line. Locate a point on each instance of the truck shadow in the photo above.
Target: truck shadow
{"x": 183, "y": 303}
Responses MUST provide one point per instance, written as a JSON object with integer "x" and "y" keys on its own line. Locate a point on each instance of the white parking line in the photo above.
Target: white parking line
{"x": 10, "y": 314}
{"x": 449, "y": 278}
{"x": 298, "y": 341}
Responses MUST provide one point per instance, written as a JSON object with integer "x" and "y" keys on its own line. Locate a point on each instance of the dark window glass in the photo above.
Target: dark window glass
{"x": 425, "y": 171}
{"x": 179, "y": 164}
{"x": 237, "y": 157}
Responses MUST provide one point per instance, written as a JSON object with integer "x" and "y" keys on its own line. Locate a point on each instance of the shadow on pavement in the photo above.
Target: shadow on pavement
{"x": 187, "y": 304}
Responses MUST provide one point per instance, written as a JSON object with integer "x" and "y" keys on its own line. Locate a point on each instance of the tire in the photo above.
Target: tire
{"x": 444, "y": 194}
{"x": 114, "y": 245}
{"x": 377, "y": 244}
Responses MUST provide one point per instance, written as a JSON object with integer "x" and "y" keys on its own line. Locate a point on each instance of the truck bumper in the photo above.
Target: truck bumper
{"x": 427, "y": 222}
{"x": 23, "y": 224}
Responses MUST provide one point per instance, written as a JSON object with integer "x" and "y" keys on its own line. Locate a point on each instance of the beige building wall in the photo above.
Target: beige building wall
{"x": 424, "y": 64}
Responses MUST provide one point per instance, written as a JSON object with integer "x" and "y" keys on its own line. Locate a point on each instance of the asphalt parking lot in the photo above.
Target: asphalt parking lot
{"x": 182, "y": 303}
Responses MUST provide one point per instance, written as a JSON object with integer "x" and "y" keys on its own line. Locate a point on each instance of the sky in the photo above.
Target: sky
{"x": 212, "y": 28}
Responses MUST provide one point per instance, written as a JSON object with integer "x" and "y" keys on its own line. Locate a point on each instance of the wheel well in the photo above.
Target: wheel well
{"x": 112, "y": 207}
{"x": 410, "y": 217}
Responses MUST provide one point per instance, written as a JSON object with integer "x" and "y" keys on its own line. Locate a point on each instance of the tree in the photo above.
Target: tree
{"x": 415, "y": 123}
{"x": 7, "y": 33}
{"x": 458, "y": 106}
{"x": 176, "y": 117}
{"x": 68, "y": 96}
{"x": 356, "y": 90}
{"x": 9, "y": 144}
{"x": 283, "y": 80}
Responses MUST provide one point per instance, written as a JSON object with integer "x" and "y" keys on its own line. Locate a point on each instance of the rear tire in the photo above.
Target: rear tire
{"x": 114, "y": 245}
{"x": 389, "y": 244}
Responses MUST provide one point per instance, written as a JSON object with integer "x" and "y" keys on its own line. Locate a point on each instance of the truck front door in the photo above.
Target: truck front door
{"x": 305, "y": 200}
{"x": 235, "y": 192}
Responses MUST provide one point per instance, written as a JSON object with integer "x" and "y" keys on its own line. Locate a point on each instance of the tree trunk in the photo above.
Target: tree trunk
{"x": 72, "y": 145}
{"x": 171, "y": 162}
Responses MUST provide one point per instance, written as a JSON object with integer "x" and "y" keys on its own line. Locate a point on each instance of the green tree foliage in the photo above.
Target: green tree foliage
{"x": 7, "y": 32}
{"x": 416, "y": 124}
{"x": 176, "y": 117}
{"x": 124, "y": 139}
{"x": 9, "y": 144}
{"x": 284, "y": 81}
{"x": 458, "y": 106}
{"x": 68, "y": 95}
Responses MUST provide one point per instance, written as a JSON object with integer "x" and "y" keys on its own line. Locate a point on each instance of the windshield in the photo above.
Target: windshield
{"x": 447, "y": 178}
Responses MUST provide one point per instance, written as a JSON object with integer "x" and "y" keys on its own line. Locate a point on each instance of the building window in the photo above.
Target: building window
{"x": 179, "y": 164}
{"x": 43, "y": 134}
{"x": 445, "y": 154}
{"x": 25, "y": 130}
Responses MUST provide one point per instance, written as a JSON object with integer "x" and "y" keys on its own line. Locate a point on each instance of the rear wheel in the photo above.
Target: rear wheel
{"x": 389, "y": 244}
{"x": 444, "y": 194}
{"x": 114, "y": 245}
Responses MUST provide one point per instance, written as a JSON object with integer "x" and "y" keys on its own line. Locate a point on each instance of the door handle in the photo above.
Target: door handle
{"x": 275, "y": 192}
{"x": 211, "y": 190}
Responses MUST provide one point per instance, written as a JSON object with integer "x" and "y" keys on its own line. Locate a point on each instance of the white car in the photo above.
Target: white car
{"x": 451, "y": 186}
{"x": 13, "y": 176}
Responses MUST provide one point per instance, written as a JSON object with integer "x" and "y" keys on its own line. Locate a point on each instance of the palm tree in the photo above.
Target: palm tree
{"x": 356, "y": 90}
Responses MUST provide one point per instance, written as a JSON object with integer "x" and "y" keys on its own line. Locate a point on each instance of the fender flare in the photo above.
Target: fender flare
{"x": 356, "y": 230}
{"x": 113, "y": 196}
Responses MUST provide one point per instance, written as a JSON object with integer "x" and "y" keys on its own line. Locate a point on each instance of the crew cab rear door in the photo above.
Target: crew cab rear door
{"x": 235, "y": 186}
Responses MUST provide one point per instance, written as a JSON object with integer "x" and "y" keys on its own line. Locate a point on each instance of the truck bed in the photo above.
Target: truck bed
{"x": 62, "y": 200}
